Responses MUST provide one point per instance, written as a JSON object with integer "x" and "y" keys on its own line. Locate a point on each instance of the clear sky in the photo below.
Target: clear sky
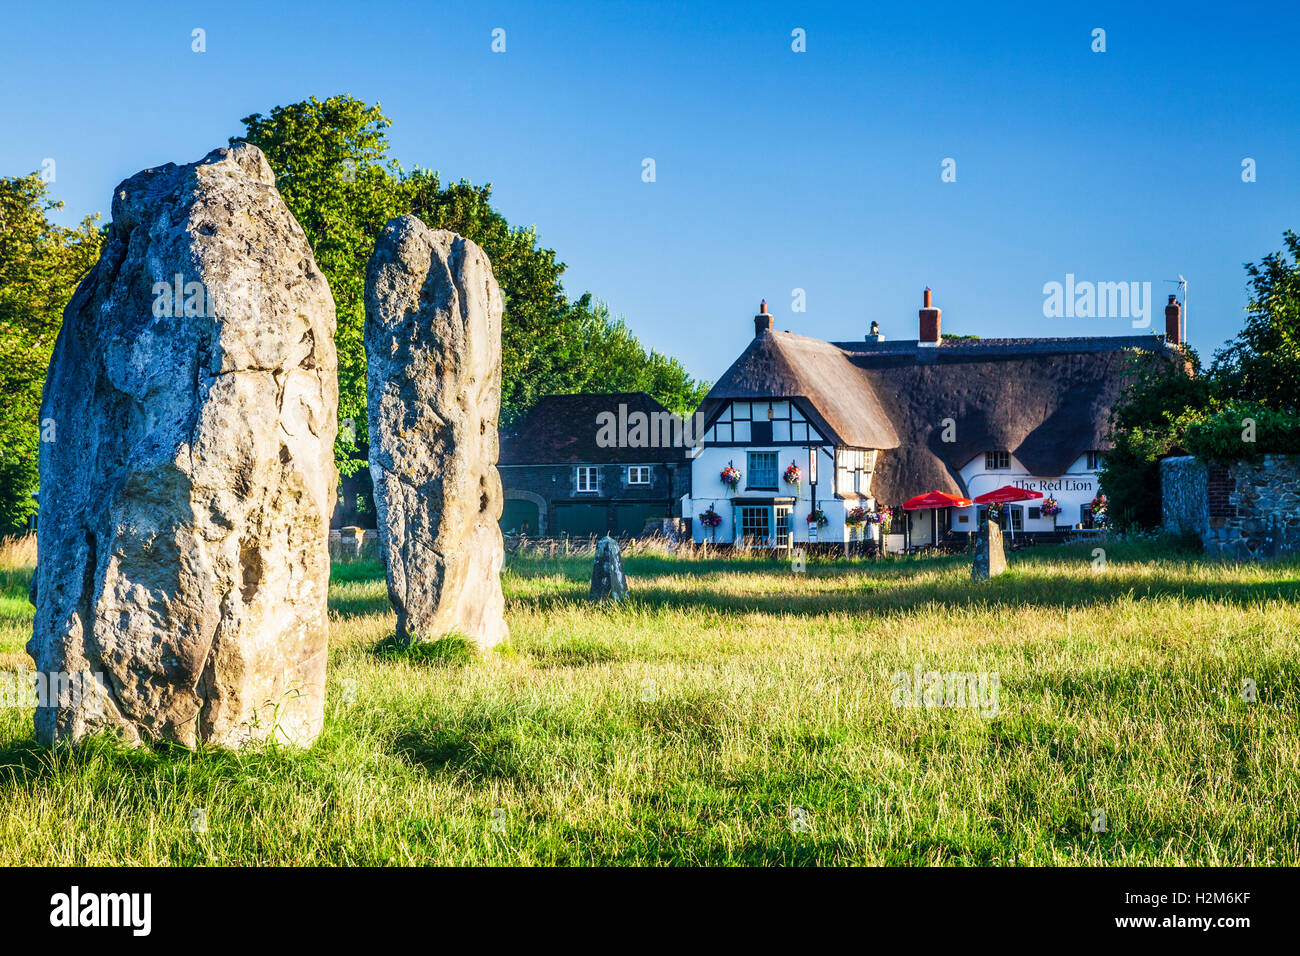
{"x": 775, "y": 170}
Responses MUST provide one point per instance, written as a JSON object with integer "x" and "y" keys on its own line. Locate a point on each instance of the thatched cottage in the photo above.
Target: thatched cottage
{"x": 871, "y": 424}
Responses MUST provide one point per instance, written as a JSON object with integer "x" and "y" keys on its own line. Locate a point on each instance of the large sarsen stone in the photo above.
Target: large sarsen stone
{"x": 186, "y": 496}
{"x": 433, "y": 367}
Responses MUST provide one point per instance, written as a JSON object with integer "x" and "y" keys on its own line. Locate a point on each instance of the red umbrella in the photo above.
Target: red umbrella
{"x": 935, "y": 499}
{"x": 1004, "y": 494}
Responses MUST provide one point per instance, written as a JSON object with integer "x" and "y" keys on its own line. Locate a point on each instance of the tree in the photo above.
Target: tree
{"x": 40, "y": 267}
{"x": 1262, "y": 364}
{"x": 334, "y": 172}
{"x": 1146, "y": 425}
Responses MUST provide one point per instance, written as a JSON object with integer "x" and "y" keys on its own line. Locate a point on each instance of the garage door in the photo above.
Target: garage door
{"x": 520, "y": 516}
{"x": 631, "y": 518}
{"x": 580, "y": 520}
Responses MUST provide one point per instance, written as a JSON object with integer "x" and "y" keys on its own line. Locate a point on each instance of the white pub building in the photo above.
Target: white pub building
{"x": 805, "y": 427}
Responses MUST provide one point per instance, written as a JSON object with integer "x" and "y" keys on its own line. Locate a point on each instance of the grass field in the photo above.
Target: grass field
{"x": 734, "y": 712}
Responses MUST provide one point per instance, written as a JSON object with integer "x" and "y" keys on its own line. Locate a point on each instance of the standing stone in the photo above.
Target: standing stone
{"x": 186, "y": 496}
{"x": 433, "y": 360}
{"x": 607, "y": 578}
{"x": 990, "y": 556}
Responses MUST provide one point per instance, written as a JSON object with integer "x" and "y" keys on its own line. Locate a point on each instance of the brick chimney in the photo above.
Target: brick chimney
{"x": 1173, "y": 322}
{"x": 929, "y": 322}
{"x": 762, "y": 321}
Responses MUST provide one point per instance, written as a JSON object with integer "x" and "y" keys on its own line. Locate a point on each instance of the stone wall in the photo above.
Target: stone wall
{"x": 1242, "y": 510}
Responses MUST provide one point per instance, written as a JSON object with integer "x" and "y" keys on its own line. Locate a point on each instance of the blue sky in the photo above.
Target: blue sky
{"x": 775, "y": 170}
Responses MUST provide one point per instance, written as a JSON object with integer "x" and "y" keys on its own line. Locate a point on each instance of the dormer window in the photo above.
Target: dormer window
{"x": 1094, "y": 460}
{"x": 997, "y": 460}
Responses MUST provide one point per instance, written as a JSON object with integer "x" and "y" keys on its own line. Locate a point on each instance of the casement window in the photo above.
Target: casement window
{"x": 638, "y": 474}
{"x": 1017, "y": 517}
{"x": 586, "y": 479}
{"x": 762, "y": 470}
{"x": 1094, "y": 460}
{"x": 997, "y": 460}
{"x": 1035, "y": 513}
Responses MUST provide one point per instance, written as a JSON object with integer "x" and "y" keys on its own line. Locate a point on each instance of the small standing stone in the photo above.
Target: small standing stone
{"x": 990, "y": 556}
{"x": 607, "y": 578}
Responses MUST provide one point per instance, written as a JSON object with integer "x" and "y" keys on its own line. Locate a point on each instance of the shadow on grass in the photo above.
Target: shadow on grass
{"x": 886, "y": 589}
{"x": 476, "y": 749}
{"x": 451, "y": 651}
{"x": 103, "y": 757}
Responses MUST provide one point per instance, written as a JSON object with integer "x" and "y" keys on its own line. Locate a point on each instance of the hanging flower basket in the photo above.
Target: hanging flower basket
{"x": 1051, "y": 507}
{"x": 730, "y": 477}
{"x": 1099, "y": 507}
{"x": 818, "y": 517}
{"x": 710, "y": 518}
{"x": 856, "y": 517}
{"x": 793, "y": 475}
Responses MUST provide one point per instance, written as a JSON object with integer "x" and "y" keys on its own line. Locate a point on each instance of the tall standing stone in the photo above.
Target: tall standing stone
{"x": 990, "y": 556}
{"x": 433, "y": 366}
{"x": 186, "y": 496}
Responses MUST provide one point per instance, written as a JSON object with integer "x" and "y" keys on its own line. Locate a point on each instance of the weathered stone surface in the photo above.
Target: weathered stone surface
{"x": 186, "y": 496}
{"x": 433, "y": 358}
{"x": 990, "y": 556}
{"x": 607, "y": 578}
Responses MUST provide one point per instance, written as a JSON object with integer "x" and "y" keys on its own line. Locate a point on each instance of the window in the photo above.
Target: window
{"x": 638, "y": 474}
{"x": 587, "y": 478}
{"x": 997, "y": 460}
{"x": 1035, "y": 513}
{"x": 762, "y": 470}
{"x": 1085, "y": 516}
{"x": 754, "y": 525}
{"x": 1017, "y": 518}
{"x": 1094, "y": 460}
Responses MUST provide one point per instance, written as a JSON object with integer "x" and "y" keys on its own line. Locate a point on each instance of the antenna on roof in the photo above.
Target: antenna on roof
{"x": 1182, "y": 287}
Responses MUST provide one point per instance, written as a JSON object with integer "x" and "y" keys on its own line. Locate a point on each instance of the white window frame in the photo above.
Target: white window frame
{"x": 586, "y": 479}
{"x": 993, "y": 461}
{"x": 638, "y": 474}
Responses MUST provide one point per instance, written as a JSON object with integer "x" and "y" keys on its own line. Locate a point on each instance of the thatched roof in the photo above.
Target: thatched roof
{"x": 562, "y": 429}
{"x": 1047, "y": 401}
{"x": 841, "y": 401}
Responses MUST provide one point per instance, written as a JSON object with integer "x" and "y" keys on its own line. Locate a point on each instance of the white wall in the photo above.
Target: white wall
{"x": 707, "y": 489}
{"x": 1076, "y": 488}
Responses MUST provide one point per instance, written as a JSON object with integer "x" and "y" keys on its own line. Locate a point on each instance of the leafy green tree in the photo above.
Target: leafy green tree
{"x": 40, "y": 267}
{"x": 1262, "y": 364}
{"x": 334, "y": 172}
{"x": 1146, "y": 425}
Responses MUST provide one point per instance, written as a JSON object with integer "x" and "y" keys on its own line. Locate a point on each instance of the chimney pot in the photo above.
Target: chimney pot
{"x": 1173, "y": 322}
{"x": 762, "y": 321}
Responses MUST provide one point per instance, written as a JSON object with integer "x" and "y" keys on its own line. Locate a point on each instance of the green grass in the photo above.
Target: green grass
{"x": 701, "y": 721}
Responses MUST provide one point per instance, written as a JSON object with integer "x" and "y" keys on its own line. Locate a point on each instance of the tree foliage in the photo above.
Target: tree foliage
{"x": 334, "y": 172}
{"x": 40, "y": 267}
{"x": 1245, "y": 407}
